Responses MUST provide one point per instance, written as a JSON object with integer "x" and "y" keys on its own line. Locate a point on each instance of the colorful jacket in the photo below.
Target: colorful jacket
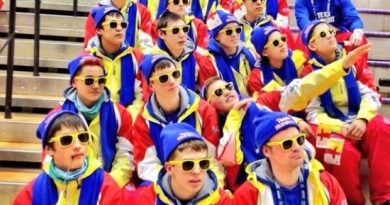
{"x": 236, "y": 68}
{"x": 160, "y": 192}
{"x": 138, "y": 33}
{"x": 320, "y": 187}
{"x": 340, "y": 13}
{"x": 112, "y": 127}
{"x": 346, "y": 100}
{"x": 100, "y": 188}
{"x": 150, "y": 121}
{"x": 123, "y": 78}
{"x": 194, "y": 66}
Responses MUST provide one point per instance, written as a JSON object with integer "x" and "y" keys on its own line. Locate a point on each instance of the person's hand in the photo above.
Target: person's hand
{"x": 243, "y": 105}
{"x": 357, "y": 129}
{"x": 355, "y": 54}
{"x": 305, "y": 128}
{"x": 356, "y": 37}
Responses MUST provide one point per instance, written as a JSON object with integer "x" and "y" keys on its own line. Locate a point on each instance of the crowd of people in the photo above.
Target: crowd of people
{"x": 215, "y": 102}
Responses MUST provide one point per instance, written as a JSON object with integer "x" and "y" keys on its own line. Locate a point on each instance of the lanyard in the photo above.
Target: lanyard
{"x": 314, "y": 8}
{"x": 302, "y": 190}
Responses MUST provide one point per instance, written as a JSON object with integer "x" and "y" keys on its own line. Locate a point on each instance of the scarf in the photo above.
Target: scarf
{"x": 65, "y": 176}
{"x": 130, "y": 12}
{"x": 89, "y": 113}
{"x": 354, "y": 97}
{"x": 126, "y": 93}
{"x": 286, "y": 74}
{"x": 44, "y": 191}
{"x": 108, "y": 129}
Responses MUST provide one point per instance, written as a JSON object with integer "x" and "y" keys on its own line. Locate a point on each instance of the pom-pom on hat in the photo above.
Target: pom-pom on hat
{"x": 175, "y": 134}
{"x": 259, "y": 37}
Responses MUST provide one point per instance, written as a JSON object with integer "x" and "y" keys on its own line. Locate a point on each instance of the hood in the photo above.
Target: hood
{"x": 187, "y": 98}
{"x": 94, "y": 45}
{"x": 216, "y": 48}
{"x": 209, "y": 187}
{"x": 188, "y": 49}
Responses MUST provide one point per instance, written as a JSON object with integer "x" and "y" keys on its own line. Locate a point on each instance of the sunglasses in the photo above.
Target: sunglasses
{"x": 287, "y": 144}
{"x": 219, "y": 91}
{"x": 91, "y": 80}
{"x": 188, "y": 165}
{"x": 323, "y": 34}
{"x": 176, "y": 29}
{"x": 113, "y": 24}
{"x": 177, "y": 2}
{"x": 254, "y": 1}
{"x": 68, "y": 139}
{"x": 163, "y": 78}
{"x": 277, "y": 42}
{"x": 229, "y": 31}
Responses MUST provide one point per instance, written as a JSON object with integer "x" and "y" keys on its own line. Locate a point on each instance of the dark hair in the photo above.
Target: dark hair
{"x": 66, "y": 120}
{"x": 112, "y": 14}
{"x": 91, "y": 61}
{"x": 161, "y": 65}
{"x": 167, "y": 16}
{"x": 194, "y": 145}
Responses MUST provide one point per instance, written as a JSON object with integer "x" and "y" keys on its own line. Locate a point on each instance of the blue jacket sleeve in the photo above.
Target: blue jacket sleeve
{"x": 351, "y": 19}
{"x": 302, "y": 13}
{"x": 272, "y": 8}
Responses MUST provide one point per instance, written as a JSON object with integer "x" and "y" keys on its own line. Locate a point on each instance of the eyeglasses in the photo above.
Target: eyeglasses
{"x": 163, "y": 78}
{"x": 176, "y": 29}
{"x": 188, "y": 165}
{"x": 113, "y": 24}
{"x": 68, "y": 139}
{"x": 277, "y": 42}
{"x": 177, "y": 2}
{"x": 254, "y": 1}
{"x": 323, "y": 34}
{"x": 229, "y": 31}
{"x": 219, "y": 91}
{"x": 287, "y": 144}
{"x": 91, "y": 80}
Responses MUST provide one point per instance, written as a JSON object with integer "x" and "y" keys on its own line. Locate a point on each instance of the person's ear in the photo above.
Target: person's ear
{"x": 168, "y": 167}
{"x": 99, "y": 31}
{"x": 312, "y": 47}
{"x": 49, "y": 150}
{"x": 161, "y": 34}
{"x": 266, "y": 151}
{"x": 264, "y": 52}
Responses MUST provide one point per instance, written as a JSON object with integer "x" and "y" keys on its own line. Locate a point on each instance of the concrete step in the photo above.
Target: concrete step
{"x": 51, "y": 25}
{"x": 53, "y": 54}
{"x": 21, "y": 128}
{"x": 20, "y": 152}
{"x": 33, "y": 101}
{"x": 64, "y": 5}
{"x": 12, "y": 180}
{"x": 24, "y": 83}
{"x": 380, "y": 72}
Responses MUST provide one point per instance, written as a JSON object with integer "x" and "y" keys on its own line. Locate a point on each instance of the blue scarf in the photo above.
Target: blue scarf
{"x": 89, "y": 113}
{"x": 287, "y": 73}
{"x": 162, "y": 7}
{"x": 126, "y": 95}
{"x": 61, "y": 175}
{"x": 155, "y": 128}
{"x": 354, "y": 97}
{"x": 45, "y": 191}
{"x": 108, "y": 129}
{"x": 188, "y": 66}
{"x": 225, "y": 64}
{"x": 197, "y": 9}
{"x": 132, "y": 25}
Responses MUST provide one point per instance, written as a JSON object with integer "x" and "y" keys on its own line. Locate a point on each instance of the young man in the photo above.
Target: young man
{"x": 120, "y": 60}
{"x": 109, "y": 121}
{"x": 252, "y": 14}
{"x": 197, "y": 29}
{"x": 186, "y": 177}
{"x": 232, "y": 60}
{"x": 286, "y": 175}
{"x": 71, "y": 176}
{"x": 236, "y": 118}
{"x": 280, "y": 69}
{"x": 138, "y": 30}
{"x": 173, "y": 41}
{"x": 169, "y": 103}
{"x": 348, "y": 111}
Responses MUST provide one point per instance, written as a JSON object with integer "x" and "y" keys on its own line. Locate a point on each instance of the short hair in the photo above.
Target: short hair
{"x": 207, "y": 84}
{"x": 66, "y": 120}
{"x": 91, "y": 61}
{"x": 194, "y": 145}
{"x": 167, "y": 16}
{"x": 112, "y": 14}
{"x": 161, "y": 65}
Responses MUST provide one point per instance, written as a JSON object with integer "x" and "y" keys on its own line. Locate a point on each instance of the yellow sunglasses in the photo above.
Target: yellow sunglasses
{"x": 68, "y": 139}
{"x": 188, "y": 165}
{"x": 287, "y": 144}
